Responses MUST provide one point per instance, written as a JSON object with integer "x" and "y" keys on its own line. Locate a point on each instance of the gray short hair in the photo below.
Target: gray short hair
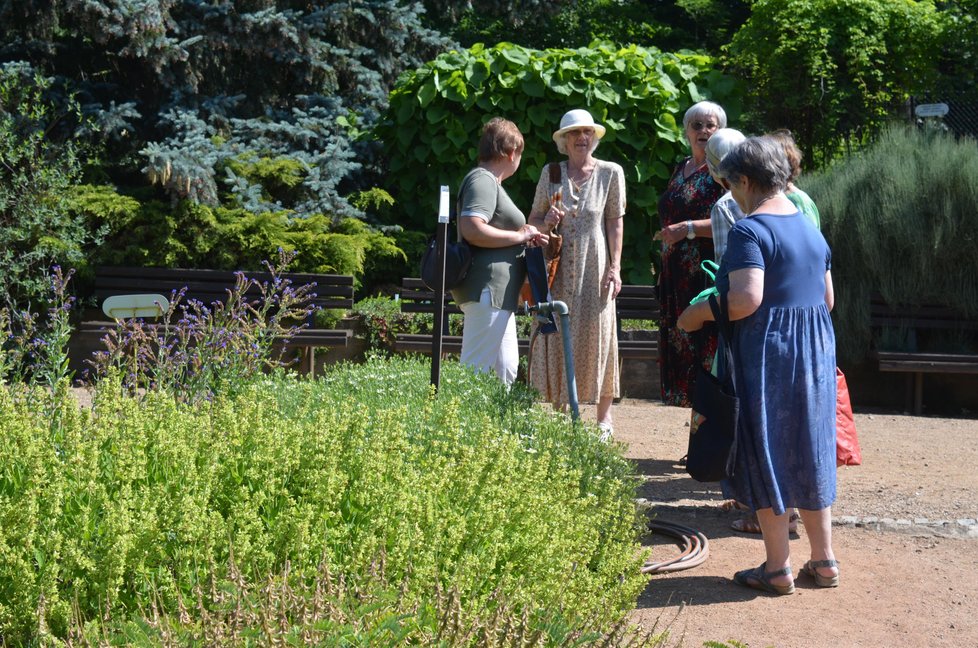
{"x": 761, "y": 160}
{"x": 702, "y": 109}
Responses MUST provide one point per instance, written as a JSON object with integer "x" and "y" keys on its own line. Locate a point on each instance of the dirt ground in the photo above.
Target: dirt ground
{"x": 903, "y": 531}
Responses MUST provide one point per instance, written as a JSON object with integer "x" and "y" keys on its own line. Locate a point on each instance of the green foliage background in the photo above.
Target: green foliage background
{"x": 902, "y": 220}
{"x": 39, "y": 165}
{"x": 152, "y": 233}
{"x": 833, "y": 71}
{"x": 639, "y": 94}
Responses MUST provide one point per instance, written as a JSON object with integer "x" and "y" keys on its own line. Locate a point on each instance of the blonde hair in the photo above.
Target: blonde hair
{"x": 791, "y": 150}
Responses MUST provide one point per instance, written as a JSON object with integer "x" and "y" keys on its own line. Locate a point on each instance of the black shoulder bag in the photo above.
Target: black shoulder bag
{"x": 716, "y": 410}
{"x": 458, "y": 259}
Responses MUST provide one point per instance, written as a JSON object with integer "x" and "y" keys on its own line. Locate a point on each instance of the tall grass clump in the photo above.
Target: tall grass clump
{"x": 357, "y": 510}
{"x": 902, "y": 220}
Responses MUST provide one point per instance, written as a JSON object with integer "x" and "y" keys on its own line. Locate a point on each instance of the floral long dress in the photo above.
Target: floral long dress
{"x": 584, "y": 263}
{"x": 681, "y": 279}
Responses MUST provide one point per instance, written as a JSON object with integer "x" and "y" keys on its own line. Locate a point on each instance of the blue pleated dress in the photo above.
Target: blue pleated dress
{"x": 784, "y": 354}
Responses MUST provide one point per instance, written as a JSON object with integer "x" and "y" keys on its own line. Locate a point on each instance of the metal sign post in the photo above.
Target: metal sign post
{"x": 441, "y": 241}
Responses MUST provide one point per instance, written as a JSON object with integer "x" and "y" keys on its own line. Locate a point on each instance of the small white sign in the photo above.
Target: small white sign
{"x": 126, "y": 306}
{"x": 932, "y": 110}
{"x": 443, "y": 205}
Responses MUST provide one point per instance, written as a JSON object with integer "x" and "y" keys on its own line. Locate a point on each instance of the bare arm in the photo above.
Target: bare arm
{"x": 480, "y": 233}
{"x": 545, "y": 222}
{"x": 614, "y": 229}
{"x": 829, "y": 290}
{"x": 746, "y": 293}
{"x": 676, "y": 232}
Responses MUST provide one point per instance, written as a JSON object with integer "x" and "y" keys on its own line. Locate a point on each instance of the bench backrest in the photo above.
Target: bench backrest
{"x": 633, "y": 302}
{"x": 927, "y": 316}
{"x": 208, "y": 286}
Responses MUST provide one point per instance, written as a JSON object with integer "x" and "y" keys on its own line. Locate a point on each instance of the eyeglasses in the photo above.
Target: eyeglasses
{"x": 698, "y": 125}
{"x": 580, "y": 132}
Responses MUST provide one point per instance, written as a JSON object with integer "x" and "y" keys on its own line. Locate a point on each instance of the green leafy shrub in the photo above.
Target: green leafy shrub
{"x": 381, "y": 320}
{"x": 436, "y": 115}
{"x": 193, "y": 235}
{"x": 39, "y": 162}
{"x": 475, "y": 491}
{"x": 833, "y": 71}
{"x": 902, "y": 220}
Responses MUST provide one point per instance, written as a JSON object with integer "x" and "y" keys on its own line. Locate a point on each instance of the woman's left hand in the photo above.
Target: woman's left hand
{"x": 692, "y": 318}
{"x": 672, "y": 234}
{"x": 612, "y": 281}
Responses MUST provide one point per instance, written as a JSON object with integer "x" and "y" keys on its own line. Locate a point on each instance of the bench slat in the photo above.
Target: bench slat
{"x": 633, "y": 302}
{"x": 921, "y": 318}
{"x": 208, "y": 286}
{"x": 927, "y": 362}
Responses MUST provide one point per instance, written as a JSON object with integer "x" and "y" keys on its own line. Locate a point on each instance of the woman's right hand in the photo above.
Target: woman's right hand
{"x": 533, "y": 237}
{"x": 553, "y": 217}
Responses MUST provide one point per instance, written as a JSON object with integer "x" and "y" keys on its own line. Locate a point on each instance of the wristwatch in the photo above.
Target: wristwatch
{"x": 690, "y": 232}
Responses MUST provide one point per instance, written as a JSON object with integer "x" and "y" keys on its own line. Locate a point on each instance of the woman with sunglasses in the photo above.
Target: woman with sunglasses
{"x": 686, "y": 235}
{"x": 587, "y": 202}
{"x": 777, "y": 279}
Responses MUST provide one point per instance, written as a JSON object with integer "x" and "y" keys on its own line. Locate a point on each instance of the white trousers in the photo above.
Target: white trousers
{"x": 489, "y": 340}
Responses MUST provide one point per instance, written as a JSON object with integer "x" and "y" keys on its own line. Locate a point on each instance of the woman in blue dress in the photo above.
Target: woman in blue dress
{"x": 776, "y": 274}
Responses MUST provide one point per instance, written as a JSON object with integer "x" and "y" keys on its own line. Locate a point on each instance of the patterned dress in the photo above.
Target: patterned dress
{"x": 784, "y": 358}
{"x": 681, "y": 279}
{"x": 584, "y": 262}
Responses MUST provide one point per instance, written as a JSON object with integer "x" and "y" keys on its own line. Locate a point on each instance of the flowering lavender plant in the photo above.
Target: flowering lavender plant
{"x": 35, "y": 351}
{"x": 197, "y": 349}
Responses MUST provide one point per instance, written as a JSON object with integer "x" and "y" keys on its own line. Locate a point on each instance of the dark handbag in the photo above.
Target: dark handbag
{"x": 554, "y": 245}
{"x": 458, "y": 259}
{"x": 716, "y": 410}
{"x": 531, "y": 292}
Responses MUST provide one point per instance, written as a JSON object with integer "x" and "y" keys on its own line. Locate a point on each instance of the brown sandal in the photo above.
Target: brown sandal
{"x": 759, "y": 579}
{"x": 810, "y": 567}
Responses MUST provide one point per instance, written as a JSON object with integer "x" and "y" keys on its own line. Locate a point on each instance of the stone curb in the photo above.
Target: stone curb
{"x": 966, "y": 528}
{"x": 960, "y": 528}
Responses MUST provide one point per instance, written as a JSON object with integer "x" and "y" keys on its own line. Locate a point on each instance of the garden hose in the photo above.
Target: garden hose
{"x": 560, "y": 308}
{"x": 693, "y": 545}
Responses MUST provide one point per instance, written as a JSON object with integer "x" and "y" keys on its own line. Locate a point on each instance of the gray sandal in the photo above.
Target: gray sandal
{"x": 810, "y": 567}
{"x": 759, "y": 579}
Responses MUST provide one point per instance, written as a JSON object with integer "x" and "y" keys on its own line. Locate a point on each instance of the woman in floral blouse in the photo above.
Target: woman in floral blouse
{"x": 686, "y": 235}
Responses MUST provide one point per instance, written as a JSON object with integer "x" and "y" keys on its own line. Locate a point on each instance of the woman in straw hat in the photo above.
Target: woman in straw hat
{"x": 586, "y": 204}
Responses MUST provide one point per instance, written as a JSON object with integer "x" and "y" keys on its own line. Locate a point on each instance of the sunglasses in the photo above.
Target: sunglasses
{"x": 578, "y": 132}
{"x": 699, "y": 125}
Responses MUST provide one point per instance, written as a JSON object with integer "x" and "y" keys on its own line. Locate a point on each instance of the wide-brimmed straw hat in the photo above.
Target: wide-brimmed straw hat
{"x": 578, "y": 118}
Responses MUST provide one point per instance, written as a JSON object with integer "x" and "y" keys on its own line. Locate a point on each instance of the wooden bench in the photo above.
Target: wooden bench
{"x": 633, "y": 302}
{"x": 917, "y": 327}
{"x": 210, "y": 286}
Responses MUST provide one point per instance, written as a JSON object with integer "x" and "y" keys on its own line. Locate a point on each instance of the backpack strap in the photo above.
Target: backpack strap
{"x": 554, "y": 168}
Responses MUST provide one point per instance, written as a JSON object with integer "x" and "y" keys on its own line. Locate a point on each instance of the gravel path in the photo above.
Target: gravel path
{"x": 904, "y": 531}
